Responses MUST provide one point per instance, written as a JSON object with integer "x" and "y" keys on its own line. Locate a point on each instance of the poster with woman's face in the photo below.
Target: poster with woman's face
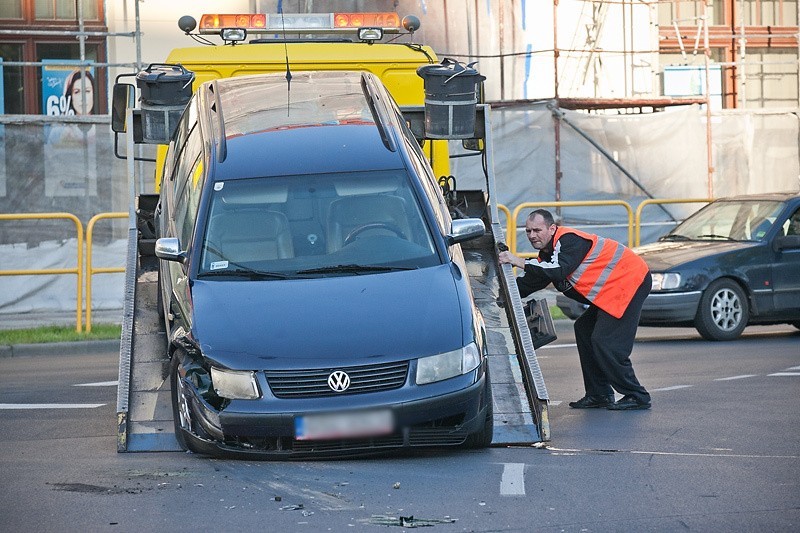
{"x": 70, "y": 148}
{"x": 67, "y": 90}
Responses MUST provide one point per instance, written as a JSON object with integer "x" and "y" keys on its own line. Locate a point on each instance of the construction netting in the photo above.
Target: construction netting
{"x": 602, "y": 157}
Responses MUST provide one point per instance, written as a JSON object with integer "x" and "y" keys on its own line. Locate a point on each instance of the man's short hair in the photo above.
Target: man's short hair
{"x": 545, "y": 214}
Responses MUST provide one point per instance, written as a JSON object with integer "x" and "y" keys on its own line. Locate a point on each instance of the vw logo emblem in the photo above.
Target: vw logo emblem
{"x": 338, "y": 381}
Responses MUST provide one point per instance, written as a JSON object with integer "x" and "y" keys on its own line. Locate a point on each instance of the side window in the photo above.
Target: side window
{"x": 792, "y": 226}
{"x": 192, "y": 149}
{"x": 186, "y": 125}
{"x": 432, "y": 189}
{"x": 188, "y": 203}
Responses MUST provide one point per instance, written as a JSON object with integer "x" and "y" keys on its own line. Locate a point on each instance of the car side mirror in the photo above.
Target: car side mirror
{"x": 787, "y": 242}
{"x": 169, "y": 249}
{"x": 465, "y": 229}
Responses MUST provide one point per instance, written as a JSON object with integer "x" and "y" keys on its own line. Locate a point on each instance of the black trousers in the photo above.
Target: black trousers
{"x": 605, "y": 344}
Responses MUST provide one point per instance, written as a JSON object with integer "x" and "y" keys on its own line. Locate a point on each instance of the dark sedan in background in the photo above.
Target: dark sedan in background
{"x": 735, "y": 262}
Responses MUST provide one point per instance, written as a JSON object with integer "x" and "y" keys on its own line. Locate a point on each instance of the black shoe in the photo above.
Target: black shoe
{"x": 592, "y": 402}
{"x": 627, "y": 403}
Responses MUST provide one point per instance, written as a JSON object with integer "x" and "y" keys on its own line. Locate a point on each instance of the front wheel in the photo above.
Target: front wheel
{"x": 724, "y": 311}
{"x": 181, "y": 410}
{"x": 483, "y": 437}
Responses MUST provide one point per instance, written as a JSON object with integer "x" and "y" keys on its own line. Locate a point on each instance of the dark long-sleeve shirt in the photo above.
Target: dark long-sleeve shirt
{"x": 555, "y": 266}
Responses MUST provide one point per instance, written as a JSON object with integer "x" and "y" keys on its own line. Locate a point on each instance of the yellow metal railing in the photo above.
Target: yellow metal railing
{"x": 90, "y": 269}
{"x": 669, "y": 201}
{"x": 78, "y": 270}
{"x": 512, "y": 233}
{"x": 634, "y": 224}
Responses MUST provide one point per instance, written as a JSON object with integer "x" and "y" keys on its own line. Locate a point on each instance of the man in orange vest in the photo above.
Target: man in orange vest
{"x": 614, "y": 282}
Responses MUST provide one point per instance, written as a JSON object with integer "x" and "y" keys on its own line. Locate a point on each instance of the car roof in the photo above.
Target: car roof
{"x": 270, "y": 101}
{"x": 320, "y": 121}
{"x": 778, "y": 196}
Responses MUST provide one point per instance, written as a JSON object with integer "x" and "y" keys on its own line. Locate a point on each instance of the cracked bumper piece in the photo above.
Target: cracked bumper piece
{"x": 441, "y": 420}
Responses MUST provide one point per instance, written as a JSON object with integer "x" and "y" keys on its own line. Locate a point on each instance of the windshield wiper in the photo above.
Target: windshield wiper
{"x": 245, "y": 273}
{"x": 675, "y": 237}
{"x": 715, "y": 236}
{"x": 352, "y": 269}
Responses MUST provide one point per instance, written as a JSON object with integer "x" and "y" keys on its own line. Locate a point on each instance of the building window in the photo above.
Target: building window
{"x": 31, "y": 89}
{"x": 770, "y": 78}
{"x": 64, "y": 10}
{"x": 689, "y": 12}
{"x": 769, "y": 12}
{"x": 11, "y": 10}
{"x": 13, "y": 101}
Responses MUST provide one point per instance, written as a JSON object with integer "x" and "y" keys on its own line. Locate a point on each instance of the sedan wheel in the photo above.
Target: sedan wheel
{"x": 724, "y": 311}
{"x": 181, "y": 413}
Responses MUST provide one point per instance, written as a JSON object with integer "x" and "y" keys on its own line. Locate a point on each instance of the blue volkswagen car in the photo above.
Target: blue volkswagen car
{"x": 313, "y": 287}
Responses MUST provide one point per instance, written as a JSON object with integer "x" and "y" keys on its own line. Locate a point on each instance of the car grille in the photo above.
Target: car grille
{"x": 314, "y": 383}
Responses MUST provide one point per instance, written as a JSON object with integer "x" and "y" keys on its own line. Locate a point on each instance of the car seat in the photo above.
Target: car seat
{"x": 250, "y": 235}
{"x": 350, "y": 212}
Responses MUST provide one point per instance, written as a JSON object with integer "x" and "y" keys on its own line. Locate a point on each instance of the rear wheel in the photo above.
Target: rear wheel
{"x": 724, "y": 311}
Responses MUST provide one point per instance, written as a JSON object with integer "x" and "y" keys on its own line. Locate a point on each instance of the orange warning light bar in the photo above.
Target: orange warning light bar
{"x": 359, "y": 20}
{"x": 300, "y": 22}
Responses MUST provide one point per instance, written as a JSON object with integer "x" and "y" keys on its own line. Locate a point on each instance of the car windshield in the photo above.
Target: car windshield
{"x": 315, "y": 225}
{"x": 729, "y": 220}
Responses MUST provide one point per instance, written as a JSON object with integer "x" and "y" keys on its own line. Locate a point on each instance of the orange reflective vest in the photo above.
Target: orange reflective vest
{"x": 609, "y": 274}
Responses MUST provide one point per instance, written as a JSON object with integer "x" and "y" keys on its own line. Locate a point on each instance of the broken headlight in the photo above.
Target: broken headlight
{"x": 234, "y": 385}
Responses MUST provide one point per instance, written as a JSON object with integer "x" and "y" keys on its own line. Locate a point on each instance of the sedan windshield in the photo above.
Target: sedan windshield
{"x": 313, "y": 226}
{"x": 728, "y": 220}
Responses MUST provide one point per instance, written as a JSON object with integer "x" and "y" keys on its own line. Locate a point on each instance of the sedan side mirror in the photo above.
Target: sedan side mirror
{"x": 464, "y": 229}
{"x": 169, "y": 249}
{"x": 788, "y": 242}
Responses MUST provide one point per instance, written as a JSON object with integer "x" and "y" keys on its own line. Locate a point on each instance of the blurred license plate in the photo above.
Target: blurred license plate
{"x": 344, "y": 425}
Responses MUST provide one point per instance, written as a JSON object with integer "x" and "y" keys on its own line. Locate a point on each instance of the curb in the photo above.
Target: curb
{"x": 60, "y": 348}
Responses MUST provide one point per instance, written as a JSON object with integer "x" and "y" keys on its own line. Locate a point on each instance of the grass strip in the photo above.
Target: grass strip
{"x": 46, "y": 334}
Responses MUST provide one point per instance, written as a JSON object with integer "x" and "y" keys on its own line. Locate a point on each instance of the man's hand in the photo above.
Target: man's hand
{"x": 511, "y": 259}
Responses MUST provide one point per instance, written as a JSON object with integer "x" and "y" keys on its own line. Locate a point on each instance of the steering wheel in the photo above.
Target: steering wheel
{"x": 355, "y": 232}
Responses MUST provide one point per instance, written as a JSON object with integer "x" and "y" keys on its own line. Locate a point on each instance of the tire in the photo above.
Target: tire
{"x": 181, "y": 411}
{"x": 724, "y": 311}
{"x": 483, "y": 437}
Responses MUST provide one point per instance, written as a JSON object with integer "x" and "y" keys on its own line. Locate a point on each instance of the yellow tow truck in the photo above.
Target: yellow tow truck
{"x": 312, "y": 42}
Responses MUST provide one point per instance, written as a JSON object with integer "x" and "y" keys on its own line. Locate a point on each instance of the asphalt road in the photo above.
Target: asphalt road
{"x": 718, "y": 451}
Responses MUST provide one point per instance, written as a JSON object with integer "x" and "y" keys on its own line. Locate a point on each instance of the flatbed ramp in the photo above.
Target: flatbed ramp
{"x": 144, "y": 406}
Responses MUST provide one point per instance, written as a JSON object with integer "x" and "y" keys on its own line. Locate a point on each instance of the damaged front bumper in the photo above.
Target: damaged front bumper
{"x": 438, "y": 415}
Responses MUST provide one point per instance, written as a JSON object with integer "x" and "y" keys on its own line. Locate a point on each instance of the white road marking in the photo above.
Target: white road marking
{"x": 13, "y": 406}
{"x": 555, "y": 402}
{"x": 560, "y": 451}
{"x": 743, "y": 376}
{"x": 794, "y": 368}
{"x": 98, "y": 384}
{"x": 785, "y": 374}
{"x": 674, "y": 387}
{"x": 513, "y": 481}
